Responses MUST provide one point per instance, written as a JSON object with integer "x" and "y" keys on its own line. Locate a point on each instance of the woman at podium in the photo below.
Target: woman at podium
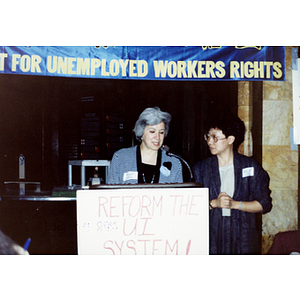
{"x": 146, "y": 162}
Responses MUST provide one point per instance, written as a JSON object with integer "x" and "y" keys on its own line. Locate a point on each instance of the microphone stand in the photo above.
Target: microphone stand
{"x": 167, "y": 149}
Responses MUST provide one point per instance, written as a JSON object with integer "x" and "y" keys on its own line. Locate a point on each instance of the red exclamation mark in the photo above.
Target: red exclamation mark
{"x": 188, "y": 247}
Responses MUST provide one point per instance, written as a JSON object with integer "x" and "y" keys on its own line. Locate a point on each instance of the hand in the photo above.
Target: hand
{"x": 20, "y": 250}
{"x": 224, "y": 201}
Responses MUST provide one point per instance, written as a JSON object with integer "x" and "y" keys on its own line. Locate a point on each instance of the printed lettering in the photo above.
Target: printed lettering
{"x": 142, "y": 68}
{"x": 123, "y": 65}
{"x": 277, "y": 69}
{"x": 160, "y": 68}
{"x": 172, "y": 69}
{"x": 2, "y": 59}
{"x": 71, "y": 66}
{"x": 191, "y": 69}
{"x": 256, "y": 69}
{"x": 114, "y": 67}
{"x": 132, "y": 68}
{"x": 62, "y": 65}
{"x": 103, "y": 68}
{"x": 83, "y": 66}
{"x": 181, "y": 65}
{"x": 220, "y": 69}
{"x": 15, "y": 61}
{"x": 51, "y": 64}
{"x": 95, "y": 63}
{"x": 35, "y": 63}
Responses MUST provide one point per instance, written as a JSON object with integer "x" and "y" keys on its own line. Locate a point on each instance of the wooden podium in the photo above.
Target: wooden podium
{"x": 156, "y": 219}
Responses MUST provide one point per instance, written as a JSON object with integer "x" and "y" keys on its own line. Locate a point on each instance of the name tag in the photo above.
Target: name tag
{"x": 248, "y": 172}
{"x": 165, "y": 171}
{"x": 130, "y": 175}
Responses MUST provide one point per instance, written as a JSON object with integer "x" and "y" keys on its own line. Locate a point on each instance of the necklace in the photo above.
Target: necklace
{"x": 144, "y": 178}
{"x": 148, "y": 173}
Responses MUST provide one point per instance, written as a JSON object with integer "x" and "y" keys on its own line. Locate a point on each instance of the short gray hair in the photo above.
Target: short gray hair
{"x": 151, "y": 116}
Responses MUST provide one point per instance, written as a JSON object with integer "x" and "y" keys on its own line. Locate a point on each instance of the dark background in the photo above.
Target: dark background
{"x": 41, "y": 118}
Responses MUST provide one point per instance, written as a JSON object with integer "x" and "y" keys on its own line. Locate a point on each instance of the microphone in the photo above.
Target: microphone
{"x": 167, "y": 149}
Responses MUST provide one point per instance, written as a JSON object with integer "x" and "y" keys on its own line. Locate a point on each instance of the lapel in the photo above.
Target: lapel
{"x": 237, "y": 174}
{"x": 215, "y": 175}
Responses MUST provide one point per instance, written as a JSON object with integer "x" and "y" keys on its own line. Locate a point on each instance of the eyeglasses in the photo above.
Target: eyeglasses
{"x": 207, "y": 137}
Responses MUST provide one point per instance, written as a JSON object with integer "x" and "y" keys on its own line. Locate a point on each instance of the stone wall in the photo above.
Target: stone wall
{"x": 278, "y": 159}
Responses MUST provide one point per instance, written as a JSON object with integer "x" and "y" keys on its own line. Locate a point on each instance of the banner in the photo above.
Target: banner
{"x": 145, "y": 221}
{"x": 147, "y": 62}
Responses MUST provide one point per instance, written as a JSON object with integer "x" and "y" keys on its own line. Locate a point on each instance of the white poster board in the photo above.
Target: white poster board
{"x": 147, "y": 221}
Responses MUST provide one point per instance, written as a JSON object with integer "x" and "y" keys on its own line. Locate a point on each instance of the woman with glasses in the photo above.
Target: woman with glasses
{"x": 238, "y": 188}
{"x": 147, "y": 162}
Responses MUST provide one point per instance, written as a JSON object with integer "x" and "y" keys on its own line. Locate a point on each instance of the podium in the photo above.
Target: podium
{"x": 143, "y": 219}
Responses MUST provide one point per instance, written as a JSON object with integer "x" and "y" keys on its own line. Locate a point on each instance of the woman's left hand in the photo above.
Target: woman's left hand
{"x": 224, "y": 201}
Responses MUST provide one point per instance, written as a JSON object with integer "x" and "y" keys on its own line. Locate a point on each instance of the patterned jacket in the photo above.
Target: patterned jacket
{"x": 123, "y": 168}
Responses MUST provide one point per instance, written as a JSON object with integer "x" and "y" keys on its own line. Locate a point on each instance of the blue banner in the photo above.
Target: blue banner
{"x": 147, "y": 62}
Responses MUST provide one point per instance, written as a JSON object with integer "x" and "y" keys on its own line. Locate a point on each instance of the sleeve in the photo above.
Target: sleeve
{"x": 178, "y": 175}
{"x": 197, "y": 172}
{"x": 114, "y": 170}
{"x": 262, "y": 192}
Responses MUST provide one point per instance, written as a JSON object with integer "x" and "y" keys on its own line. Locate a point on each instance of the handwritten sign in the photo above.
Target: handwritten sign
{"x": 168, "y": 221}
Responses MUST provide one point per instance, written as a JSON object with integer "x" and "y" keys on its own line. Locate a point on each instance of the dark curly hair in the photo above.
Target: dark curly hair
{"x": 229, "y": 123}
